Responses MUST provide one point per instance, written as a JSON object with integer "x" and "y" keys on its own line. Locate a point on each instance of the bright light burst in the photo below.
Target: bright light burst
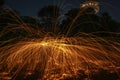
{"x": 54, "y": 58}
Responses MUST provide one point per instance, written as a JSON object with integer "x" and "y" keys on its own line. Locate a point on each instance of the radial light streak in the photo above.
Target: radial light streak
{"x": 56, "y": 58}
{"x": 37, "y": 55}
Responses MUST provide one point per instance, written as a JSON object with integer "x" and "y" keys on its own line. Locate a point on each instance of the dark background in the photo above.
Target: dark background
{"x": 31, "y": 7}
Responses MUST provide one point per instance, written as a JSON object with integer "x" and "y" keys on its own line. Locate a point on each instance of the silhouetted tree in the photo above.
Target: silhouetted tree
{"x": 81, "y": 21}
{"x": 108, "y": 23}
{"x": 49, "y": 16}
{"x": 51, "y": 11}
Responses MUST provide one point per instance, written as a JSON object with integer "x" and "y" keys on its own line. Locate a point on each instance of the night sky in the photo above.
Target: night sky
{"x": 31, "y": 7}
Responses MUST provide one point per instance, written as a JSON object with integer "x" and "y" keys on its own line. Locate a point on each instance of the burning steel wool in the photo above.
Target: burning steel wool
{"x": 29, "y": 53}
{"x": 53, "y": 58}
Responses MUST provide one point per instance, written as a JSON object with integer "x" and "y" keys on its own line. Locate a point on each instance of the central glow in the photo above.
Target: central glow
{"x": 44, "y": 43}
{"x": 61, "y": 58}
